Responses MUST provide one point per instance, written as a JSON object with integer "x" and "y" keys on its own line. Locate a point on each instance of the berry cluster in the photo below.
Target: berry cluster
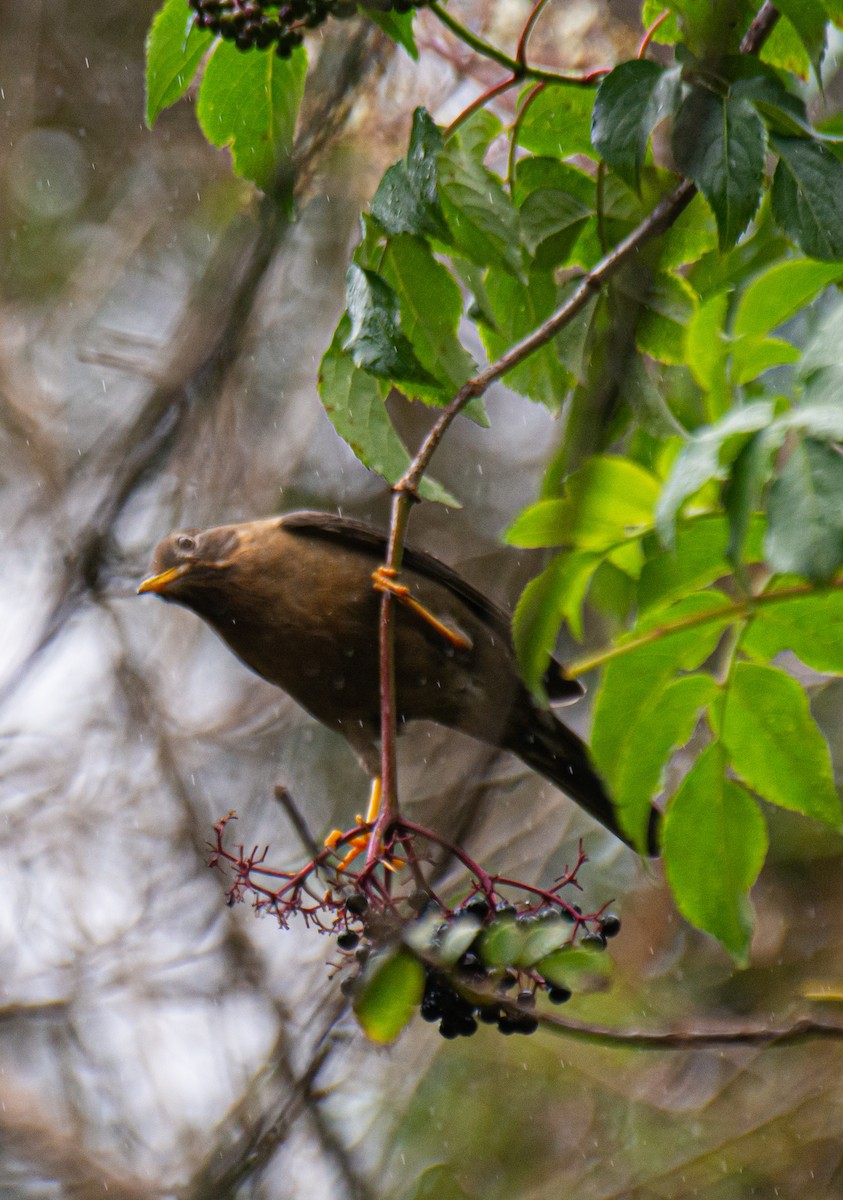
{"x": 257, "y": 24}
{"x": 483, "y": 964}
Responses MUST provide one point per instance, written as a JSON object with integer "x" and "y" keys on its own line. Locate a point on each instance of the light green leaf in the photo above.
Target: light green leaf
{"x": 697, "y": 558}
{"x": 714, "y": 842}
{"x": 398, "y": 26}
{"x": 558, "y": 121}
{"x": 779, "y": 292}
{"x": 671, "y": 303}
{"x": 811, "y": 627}
{"x": 808, "y": 18}
{"x": 708, "y": 455}
{"x": 752, "y": 356}
{"x": 775, "y": 745}
{"x": 608, "y": 500}
{"x": 647, "y": 669}
{"x": 174, "y": 50}
{"x": 805, "y": 513}
{"x": 556, "y": 595}
{"x": 249, "y": 102}
{"x": 657, "y": 728}
{"x": 389, "y": 994}
{"x": 742, "y": 493}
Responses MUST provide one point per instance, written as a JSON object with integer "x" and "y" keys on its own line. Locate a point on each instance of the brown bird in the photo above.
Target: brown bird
{"x": 296, "y": 599}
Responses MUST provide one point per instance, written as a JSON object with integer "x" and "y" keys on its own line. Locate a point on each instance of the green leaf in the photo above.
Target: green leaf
{"x": 714, "y": 842}
{"x": 630, "y": 102}
{"x": 174, "y": 50}
{"x": 775, "y": 745}
{"x": 697, "y": 558}
{"x": 779, "y": 292}
{"x": 720, "y": 144}
{"x": 671, "y": 303}
{"x": 608, "y": 500}
{"x": 646, "y": 670}
{"x": 551, "y": 222}
{"x": 707, "y": 456}
{"x": 557, "y": 121}
{"x": 692, "y": 234}
{"x": 808, "y": 18}
{"x": 518, "y": 307}
{"x": 807, "y": 196}
{"x": 811, "y": 627}
{"x": 389, "y": 993}
{"x": 805, "y": 512}
{"x": 712, "y": 28}
{"x": 545, "y": 937}
{"x": 784, "y": 49}
{"x": 398, "y": 26}
{"x": 657, "y": 729}
{"x": 823, "y": 420}
{"x": 437, "y": 1182}
{"x": 706, "y": 348}
{"x": 478, "y": 212}
{"x": 407, "y": 199}
{"x": 355, "y": 404}
{"x": 249, "y": 102}
{"x": 502, "y": 941}
{"x": 556, "y": 595}
{"x": 430, "y": 304}
{"x": 562, "y": 967}
{"x": 742, "y": 494}
{"x": 376, "y": 340}
{"x": 752, "y": 356}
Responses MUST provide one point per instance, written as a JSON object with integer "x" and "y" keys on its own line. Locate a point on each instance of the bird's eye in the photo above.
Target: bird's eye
{"x": 186, "y": 543}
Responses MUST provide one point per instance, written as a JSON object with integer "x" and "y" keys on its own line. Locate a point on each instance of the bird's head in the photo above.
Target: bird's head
{"x": 191, "y": 562}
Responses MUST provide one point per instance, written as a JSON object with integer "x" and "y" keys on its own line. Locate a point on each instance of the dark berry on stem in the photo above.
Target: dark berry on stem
{"x": 559, "y": 995}
{"x": 356, "y": 905}
{"x": 611, "y": 925}
{"x": 347, "y": 941}
{"x": 593, "y": 941}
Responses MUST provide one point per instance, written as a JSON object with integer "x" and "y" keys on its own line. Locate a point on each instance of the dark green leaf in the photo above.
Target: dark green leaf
{"x": 742, "y": 494}
{"x": 670, "y": 306}
{"x": 518, "y": 308}
{"x": 811, "y": 627}
{"x": 707, "y": 456}
{"x": 720, "y": 144}
{"x": 807, "y": 196}
{"x": 174, "y": 50}
{"x": 389, "y": 994}
{"x": 355, "y": 403}
{"x": 805, "y": 513}
{"x": 407, "y": 199}
{"x": 430, "y": 305}
{"x": 376, "y": 340}
{"x": 808, "y": 18}
{"x": 478, "y": 212}
{"x": 630, "y": 102}
{"x": 714, "y": 843}
{"x": 774, "y": 743}
{"x": 554, "y": 596}
{"x": 657, "y": 728}
{"x": 249, "y": 102}
{"x": 398, "y": 26}
{"x": 551, "y": 222}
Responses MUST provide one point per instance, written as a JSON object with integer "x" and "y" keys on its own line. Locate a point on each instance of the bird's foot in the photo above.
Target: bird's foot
{"x": 385, "y": 579}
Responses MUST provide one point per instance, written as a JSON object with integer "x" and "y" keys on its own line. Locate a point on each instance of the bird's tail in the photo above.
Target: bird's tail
{"x": 550, "y": 748}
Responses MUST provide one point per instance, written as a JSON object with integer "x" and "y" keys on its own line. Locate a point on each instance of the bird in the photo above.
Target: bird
{"x": 296, "y": 597}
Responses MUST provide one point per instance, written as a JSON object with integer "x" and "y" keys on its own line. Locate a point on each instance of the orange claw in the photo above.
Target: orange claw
{"x": 384, "y": 579}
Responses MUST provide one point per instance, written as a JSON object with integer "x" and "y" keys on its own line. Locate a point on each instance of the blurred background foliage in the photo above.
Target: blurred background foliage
{"x": 160, "y": 338}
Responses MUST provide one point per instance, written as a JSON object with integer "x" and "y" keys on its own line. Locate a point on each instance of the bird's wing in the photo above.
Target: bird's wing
{"x": 374, "y": 541}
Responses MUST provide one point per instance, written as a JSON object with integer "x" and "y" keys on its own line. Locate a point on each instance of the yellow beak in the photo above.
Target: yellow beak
{"x": 158, "y": 583}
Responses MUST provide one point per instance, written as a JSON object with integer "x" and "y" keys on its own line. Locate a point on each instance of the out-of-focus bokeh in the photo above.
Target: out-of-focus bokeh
{"x": 160, "y": 336}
